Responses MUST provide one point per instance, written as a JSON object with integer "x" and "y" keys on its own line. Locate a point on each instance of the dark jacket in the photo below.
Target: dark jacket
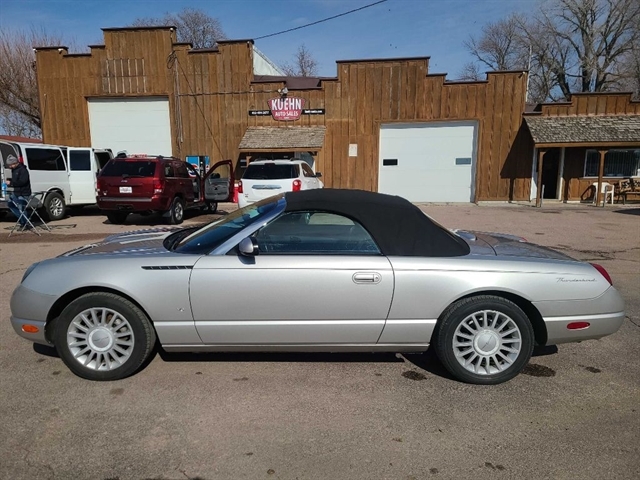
{"x": 20, "y": 181}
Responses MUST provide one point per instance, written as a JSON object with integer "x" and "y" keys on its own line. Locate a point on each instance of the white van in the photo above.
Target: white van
{"x": 67, "y": 174}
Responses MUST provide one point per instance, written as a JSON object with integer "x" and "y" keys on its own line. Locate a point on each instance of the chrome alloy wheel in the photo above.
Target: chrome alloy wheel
{"x": 56, "y": 207}
{"x": 487, "y": 342}
{"x": 100, "y": 339}
{"x": 179, "y": 211}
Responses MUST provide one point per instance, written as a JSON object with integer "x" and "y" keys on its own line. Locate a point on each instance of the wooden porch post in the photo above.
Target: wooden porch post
{"x": 600, "y": 175}
{"x": 541, "y": 153}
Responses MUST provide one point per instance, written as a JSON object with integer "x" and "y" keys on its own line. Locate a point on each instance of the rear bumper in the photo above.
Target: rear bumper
{"x": 599, "y": 326}
{"x": 135, "y": 204}
{"x": 604, "y": 314}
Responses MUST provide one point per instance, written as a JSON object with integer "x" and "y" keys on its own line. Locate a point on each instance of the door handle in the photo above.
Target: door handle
{"x": 367, "y": 277}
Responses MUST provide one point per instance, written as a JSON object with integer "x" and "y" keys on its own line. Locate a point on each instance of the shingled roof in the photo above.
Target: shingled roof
{"x": 294, "y": 138}
{"x": 594, "y": 129}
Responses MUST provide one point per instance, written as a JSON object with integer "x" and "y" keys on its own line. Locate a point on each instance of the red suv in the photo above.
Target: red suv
{"x": 166, "y": 185}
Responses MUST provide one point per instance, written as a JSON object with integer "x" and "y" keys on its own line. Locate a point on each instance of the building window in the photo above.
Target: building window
{"x": 617, "y": 163}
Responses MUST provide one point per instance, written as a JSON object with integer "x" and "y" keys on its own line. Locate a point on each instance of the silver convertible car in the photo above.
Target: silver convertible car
{"x": 314, "y": 271}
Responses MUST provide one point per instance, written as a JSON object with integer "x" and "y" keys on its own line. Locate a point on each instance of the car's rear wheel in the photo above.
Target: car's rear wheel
{"x": 102, "y": 336}
{"x": 176, "y": 214}
{"x": 484, "y": 340}
{"x": 212, "y": 207}
{"x": 117, "y": 218}
{"x": 54, "y": 206}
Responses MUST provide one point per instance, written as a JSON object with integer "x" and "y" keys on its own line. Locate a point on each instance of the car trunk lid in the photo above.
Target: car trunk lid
{"x": 483, "y": 243}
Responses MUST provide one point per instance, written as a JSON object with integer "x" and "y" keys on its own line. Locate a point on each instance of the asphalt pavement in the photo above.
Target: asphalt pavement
{"x": 574, "y": 413}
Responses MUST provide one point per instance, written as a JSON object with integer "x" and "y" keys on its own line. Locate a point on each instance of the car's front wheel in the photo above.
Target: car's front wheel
{"x": 102, "y": 336}
{"x": 176, "y": 214}
{"x": 484, "y": 340}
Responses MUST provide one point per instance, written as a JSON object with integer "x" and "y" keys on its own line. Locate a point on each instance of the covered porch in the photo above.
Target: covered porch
{"x": 583, "y": 158}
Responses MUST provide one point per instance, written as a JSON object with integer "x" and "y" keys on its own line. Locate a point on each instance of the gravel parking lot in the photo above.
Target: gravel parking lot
{"x": 574, "y": 413}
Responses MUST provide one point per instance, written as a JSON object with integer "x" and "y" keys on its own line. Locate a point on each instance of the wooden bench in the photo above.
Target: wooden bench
{"x": 626, "y": 187}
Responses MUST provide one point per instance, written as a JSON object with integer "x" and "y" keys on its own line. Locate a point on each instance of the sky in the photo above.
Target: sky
{"x": 395, "y": 28}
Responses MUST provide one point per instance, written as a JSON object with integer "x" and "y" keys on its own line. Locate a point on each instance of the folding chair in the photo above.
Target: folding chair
{"x": 28, "y": 210}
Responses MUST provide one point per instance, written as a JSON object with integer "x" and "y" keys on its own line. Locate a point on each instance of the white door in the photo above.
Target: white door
{"x": 428, "y": 162}
{"x": 136, "y": 125}
{"x": 82, "y": 176}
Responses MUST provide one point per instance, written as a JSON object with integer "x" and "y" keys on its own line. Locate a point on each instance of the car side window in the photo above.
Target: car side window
{"x": 306, "y": 171}
{"x": 182, "y": 170}
{"x": 168, "y": 170}
{"x": 79, "y": 160}
{"x": 49, "y": 159}
{"x": 315, "y": 233}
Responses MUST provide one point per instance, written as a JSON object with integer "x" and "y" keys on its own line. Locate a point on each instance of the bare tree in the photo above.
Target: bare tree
{"x": 303, "y": 64}
{"x": 568, "y": 46}
{"x": 501, "y": 45}
{"x": 193, "y": 25}
{"x": 471, "y": 72}
{"x": 19, "y": 104}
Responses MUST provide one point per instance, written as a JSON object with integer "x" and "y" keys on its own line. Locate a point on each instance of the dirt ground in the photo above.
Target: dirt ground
{"x": 574, "y": 413}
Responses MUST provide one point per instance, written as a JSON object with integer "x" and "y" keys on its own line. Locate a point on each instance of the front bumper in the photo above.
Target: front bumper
{"x": 39, "y": 337}
{"x": 31, "y": 308}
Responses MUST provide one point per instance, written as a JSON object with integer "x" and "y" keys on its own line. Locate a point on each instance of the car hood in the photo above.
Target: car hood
{"x": 502, "y": 244}
{"x": 138, "y": 242}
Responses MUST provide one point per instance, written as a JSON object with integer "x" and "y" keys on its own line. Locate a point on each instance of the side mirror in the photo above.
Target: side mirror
{"x": 318, "y": 175}
{"x": 248, "y": 246}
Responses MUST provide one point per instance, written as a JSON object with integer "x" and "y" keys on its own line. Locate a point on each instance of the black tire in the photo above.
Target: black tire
{"x": 498, "y": 365}
{"x": 117, "y": 218}
{"x": 176, "y": 214}
{"x": 3, "y": 213}
{"x": 139, "y": 326}
{"x": 54, "y": 206}
{"x": 212, "y": 207}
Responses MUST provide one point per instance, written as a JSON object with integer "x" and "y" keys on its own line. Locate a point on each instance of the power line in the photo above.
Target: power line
{"x": 320, "y": 21}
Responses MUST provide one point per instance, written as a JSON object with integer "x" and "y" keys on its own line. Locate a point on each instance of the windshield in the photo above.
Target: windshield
{"x": 215, "y": 234}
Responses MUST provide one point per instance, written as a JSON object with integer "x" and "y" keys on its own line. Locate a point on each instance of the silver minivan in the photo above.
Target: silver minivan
{"x": 67, "y": 174}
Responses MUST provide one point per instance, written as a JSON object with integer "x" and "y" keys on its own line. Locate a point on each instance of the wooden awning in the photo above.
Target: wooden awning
{"x": 290, "y": 139}
{"x": 584, "y": 131}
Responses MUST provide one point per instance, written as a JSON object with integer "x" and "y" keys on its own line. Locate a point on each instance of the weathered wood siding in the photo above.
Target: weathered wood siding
{"x": 610, "y": 103}
{"x": 211, "y": 93}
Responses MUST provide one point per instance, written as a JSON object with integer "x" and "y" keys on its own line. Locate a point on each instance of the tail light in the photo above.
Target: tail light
{"x": 20, "y": 159}
{"x": 297, "y": 185}
{"x": 603, "y": 272}
{"x": 100, "y": 185}
{"x": 158, "y": 186}
{"x": 240, "y": 187}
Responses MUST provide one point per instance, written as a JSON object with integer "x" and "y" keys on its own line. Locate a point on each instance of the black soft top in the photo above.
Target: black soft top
{"x": 398, "y": 227}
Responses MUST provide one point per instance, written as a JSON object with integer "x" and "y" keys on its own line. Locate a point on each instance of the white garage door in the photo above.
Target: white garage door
{"x": 137, "y": 125}
{"x": 428, "y": 162}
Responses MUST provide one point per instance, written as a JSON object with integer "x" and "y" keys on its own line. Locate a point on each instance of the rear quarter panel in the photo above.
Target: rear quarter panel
{"x": 425, "y": 287}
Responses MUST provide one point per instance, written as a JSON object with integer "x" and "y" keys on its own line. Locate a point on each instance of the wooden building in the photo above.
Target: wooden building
{"x": 385, "y": 125}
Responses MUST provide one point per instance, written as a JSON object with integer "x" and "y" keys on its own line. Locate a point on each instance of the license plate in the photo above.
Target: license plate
{"x": 125, "y": 190}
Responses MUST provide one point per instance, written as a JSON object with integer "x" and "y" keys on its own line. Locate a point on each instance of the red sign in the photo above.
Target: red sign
{"x": 286, "y": 108}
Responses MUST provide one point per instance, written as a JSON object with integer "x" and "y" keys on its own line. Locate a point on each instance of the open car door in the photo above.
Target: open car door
{"x": 218, "y": 182}
{"x": 82, "y": 173}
